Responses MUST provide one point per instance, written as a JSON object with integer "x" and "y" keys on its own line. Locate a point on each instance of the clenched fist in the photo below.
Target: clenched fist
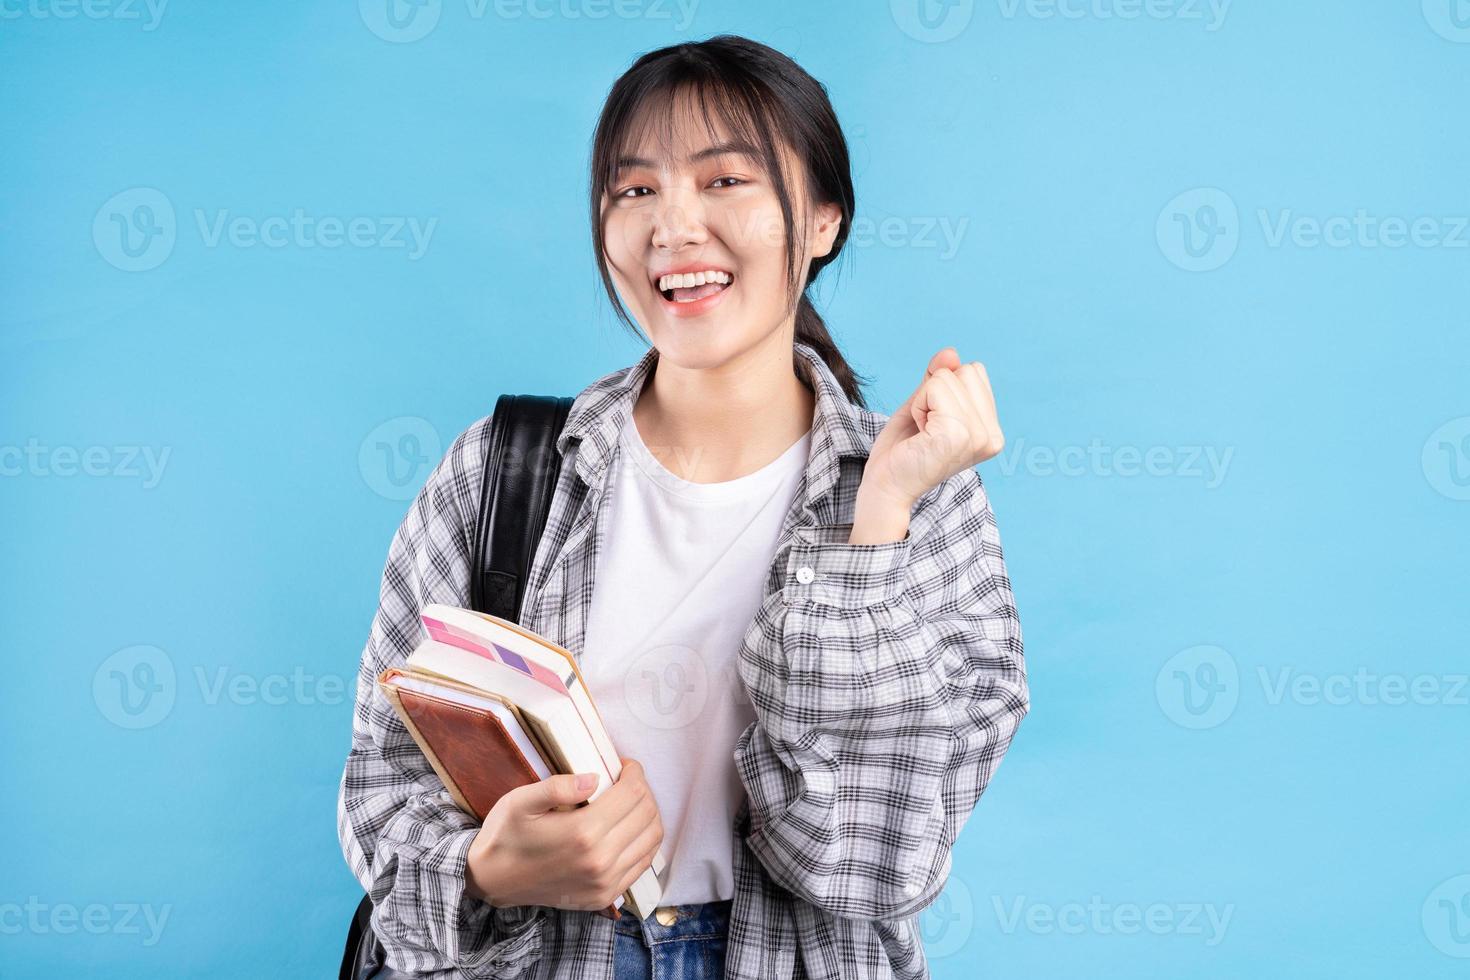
{"x": 948, "y": 424}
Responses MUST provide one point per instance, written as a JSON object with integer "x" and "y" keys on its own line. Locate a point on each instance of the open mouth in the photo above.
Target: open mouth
{"x": 692, "y": 287}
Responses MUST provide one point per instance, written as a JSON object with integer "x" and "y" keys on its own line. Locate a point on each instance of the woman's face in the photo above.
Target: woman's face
{"x": 710, "y": 214}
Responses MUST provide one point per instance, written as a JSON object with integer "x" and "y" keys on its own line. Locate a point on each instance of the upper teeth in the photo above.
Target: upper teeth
{"x": 687, "y": 279}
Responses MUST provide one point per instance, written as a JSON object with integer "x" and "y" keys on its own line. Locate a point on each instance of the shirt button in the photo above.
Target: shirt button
{"x": 804, "y": 575}
{"x": 667, "y": 915}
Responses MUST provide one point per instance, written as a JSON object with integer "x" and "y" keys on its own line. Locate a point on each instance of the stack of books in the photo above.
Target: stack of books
{"x": 494, "y": 706}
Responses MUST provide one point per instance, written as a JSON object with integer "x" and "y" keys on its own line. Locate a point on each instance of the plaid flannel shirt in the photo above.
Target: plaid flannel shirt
{"x": 886, "y": 687}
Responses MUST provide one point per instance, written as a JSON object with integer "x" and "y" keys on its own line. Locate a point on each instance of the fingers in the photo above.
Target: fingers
{"x": 550, "y": 793}
{"x": 631, "y": 787}
{"x": 950, "y": 396}
{"x": 946, "y": 358}
{"x": 621, "y": 850}
{"x": 942, "y": 393}
{"x": 632, "y": 826}
{"x": 961, "y": 392}
{"x": 978, "y": 382}
{"x": 639, "y": 855}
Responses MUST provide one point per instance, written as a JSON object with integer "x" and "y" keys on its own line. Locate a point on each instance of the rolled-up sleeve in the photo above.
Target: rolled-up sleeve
{"x": 401, "y": 833}
{"x": 887, "y": 682}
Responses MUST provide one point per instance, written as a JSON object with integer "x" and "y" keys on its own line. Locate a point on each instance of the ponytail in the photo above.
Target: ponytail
{"x": 812, "y": 331}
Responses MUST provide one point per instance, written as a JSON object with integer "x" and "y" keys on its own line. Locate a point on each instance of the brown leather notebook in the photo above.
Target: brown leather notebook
{"x": 469, "y": 747}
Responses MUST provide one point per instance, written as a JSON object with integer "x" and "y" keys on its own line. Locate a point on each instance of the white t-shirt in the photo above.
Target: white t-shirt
{"x": 679, "y": 579}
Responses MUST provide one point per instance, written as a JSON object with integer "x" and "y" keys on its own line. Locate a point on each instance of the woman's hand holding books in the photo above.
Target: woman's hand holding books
{"x": 540, "y": 846}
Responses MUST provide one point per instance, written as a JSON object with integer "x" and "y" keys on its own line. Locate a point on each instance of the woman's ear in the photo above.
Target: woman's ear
{"x": 824, "y": 231}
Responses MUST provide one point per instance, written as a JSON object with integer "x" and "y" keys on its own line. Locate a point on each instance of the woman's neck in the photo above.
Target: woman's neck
{"x": 712, "y": 425}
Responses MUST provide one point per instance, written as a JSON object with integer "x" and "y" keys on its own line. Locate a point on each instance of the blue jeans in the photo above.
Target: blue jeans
{"x": 692, "y": 948}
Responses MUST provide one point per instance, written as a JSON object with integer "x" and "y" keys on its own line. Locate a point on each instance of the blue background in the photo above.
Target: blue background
{"x": 1163, "y": 768}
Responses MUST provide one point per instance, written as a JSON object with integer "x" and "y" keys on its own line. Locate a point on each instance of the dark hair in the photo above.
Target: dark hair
{"x": 760, "y": 95}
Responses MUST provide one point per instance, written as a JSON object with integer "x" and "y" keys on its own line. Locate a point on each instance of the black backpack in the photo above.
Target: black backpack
{"x": 515, "y": 501}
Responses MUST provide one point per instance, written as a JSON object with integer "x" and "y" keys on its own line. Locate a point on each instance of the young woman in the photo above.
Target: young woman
{"x": 793, "y": 612}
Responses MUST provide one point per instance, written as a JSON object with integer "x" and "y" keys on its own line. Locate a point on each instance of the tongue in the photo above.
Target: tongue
{"x": 685, "y": 295}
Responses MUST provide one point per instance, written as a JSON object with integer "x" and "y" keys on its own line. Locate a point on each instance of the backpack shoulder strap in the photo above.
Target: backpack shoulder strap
{"x": 521, "y": 469}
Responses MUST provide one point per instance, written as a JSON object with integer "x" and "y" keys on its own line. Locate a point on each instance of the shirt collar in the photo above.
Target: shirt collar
{"x": 840, "y": 428}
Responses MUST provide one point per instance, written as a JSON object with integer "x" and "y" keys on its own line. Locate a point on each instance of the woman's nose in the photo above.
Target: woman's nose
{"x": 676, "y": 224}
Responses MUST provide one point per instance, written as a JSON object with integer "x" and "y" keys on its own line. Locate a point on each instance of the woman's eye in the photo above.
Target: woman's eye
{"x": 639, "y": 190}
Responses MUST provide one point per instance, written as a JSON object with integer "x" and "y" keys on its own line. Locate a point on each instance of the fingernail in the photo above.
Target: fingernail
{"x": 586, "y": 781}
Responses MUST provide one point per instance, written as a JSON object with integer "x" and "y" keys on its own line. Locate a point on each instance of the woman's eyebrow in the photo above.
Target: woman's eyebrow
{"x": 730, "y": 148}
